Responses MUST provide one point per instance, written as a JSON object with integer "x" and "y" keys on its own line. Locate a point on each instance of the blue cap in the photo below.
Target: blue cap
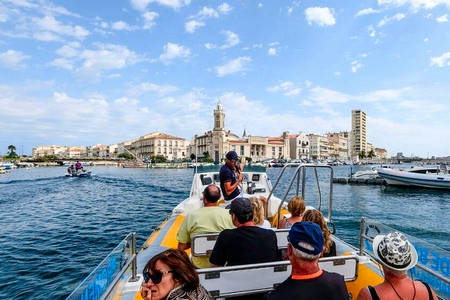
{"x": 232, "y": 155}
{"x": 306, "y": 237}
{"x": 241, "y": 207}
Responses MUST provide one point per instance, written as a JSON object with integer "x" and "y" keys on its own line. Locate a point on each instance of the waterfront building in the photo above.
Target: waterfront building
{"x": 59, "y": 151}
{"x": 359, "y": 133}
{"x": 380, "y": 153}
{"x": 217, "y": 142}
{"x": 299, "y": 146}
{"x": 338, "y": 145}
{"x": 319, "y": 146}
{"x": 159, "y": 144}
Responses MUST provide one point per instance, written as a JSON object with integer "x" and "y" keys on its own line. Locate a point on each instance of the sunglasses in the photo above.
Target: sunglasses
{"x": 156, "y": 277}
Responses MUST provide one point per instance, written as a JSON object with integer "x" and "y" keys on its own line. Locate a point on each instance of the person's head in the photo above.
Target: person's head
{"x": 296, "y": 206}
{"x": 315, "y": 216}
{"x": 241, "y": 209}
{"x": 231, "y": 158}
{"x": 211, "y": 193}
{"x": 305, "y": 241}
{"x": 394, "y": 252}
{"x": 258, "y": 210}
{"x": 167, "y": 270}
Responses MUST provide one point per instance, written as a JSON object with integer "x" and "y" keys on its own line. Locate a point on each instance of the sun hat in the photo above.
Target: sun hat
{"x": 394, "y": 251}
{"x": 241, "y": 207}
{"x": 232, "y": 155}
{"x": 306, "y": 237}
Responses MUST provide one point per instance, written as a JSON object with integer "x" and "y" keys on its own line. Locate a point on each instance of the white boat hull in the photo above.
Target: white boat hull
{"x": 405, "y": 178}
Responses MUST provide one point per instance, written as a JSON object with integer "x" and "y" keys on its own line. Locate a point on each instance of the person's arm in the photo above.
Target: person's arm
{"x": 364, "y": 294}
{"x": 229, "y": 188}
{"x": 218, "y": 256}
{"x": 184, "y": 246}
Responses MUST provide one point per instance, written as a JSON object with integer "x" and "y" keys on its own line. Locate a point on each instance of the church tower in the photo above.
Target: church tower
{"x": 219, "y": 118}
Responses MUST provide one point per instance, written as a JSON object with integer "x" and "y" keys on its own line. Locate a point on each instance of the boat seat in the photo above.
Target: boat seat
{"x": 203, "y": 244}
{"x": 234, "y": 280}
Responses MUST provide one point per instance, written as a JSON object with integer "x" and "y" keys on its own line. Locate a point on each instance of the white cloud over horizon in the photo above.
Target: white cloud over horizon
{"x": 12, "y": 59}
{"x": 322, "y": 16}
{"x": 237, "y": 65}
{"x": 173, "y": 51}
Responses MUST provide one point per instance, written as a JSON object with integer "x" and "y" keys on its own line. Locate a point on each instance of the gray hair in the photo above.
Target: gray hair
{"x": 302, "y": 255}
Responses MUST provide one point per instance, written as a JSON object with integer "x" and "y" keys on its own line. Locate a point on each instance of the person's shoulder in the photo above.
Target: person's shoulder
{"x": 333, "y": 278}
{"x": 282, "y": 291}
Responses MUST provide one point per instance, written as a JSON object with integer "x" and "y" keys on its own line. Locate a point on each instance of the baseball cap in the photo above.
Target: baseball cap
{"x": 306, "y": 237}
{"x": 232, "y": 155}
{"x": 241, "y": 207}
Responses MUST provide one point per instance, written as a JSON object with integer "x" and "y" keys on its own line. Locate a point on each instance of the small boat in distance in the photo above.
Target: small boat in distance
{"x": 428, "y": 177}
{"x": 83, "y": 173}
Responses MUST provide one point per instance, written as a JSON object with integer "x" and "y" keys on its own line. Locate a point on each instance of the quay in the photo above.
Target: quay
{"x": 360, "y": 181}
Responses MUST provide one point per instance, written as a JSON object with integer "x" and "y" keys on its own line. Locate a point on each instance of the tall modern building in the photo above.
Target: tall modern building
{"x": 359, "y": 132}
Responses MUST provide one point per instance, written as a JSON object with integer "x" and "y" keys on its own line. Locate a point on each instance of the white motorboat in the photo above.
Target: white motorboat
{"x": 83, "y": 173}
{"x": 366, "y": 174}
{"x": 119, "y": 275}
{"x": 428, "y": 177}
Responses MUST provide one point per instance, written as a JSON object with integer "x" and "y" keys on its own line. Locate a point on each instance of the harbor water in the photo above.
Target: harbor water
{"x": 54, "y": 230}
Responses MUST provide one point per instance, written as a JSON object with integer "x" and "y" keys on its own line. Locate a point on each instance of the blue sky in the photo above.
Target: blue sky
{"x": 102, "y": 72}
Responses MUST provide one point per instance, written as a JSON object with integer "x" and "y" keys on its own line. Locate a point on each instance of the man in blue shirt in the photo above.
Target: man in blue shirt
{"x": 230, "y": 176}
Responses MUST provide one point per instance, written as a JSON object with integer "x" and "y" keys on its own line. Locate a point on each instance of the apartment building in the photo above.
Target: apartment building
{"x": 159, "y": 144}
{"x": 338, "y": 145}
{"x": 359, "y": 132}
{"x": 59, "y": 151}
{"x": 299, "y": 146}
{"x": 318, "y": 146}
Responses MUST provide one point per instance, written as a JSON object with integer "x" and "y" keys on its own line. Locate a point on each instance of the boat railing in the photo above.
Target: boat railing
{"x": 101, "y": 281}
{"x": 300, "y": 172}
{"x": 433, "y": 264}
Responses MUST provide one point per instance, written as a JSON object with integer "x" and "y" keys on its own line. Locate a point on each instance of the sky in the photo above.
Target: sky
{"x": 102, "y": 72}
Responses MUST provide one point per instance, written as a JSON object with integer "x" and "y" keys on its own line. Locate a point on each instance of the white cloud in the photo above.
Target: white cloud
{"x": 63, "y": 63}
{"x": 425, "y": 40}
{"x": 366, "y": 11}
{"x": 210, "y": 46}
{"x": 322, "y": 16}
{"x": 441, "y": 61}
{"x": 68, "y": 50}
{"x": 224, "y": 8}
{"x": 12, "y": 59}
{"x": 272, "y": 51}
{"x": 386, "y": 20}
{"x": 415, "y": 5}
{"x": 149, "y": 87}
{"x": 231, "y": 39}
{"x": 141, "y": 5}
{"x": 233, "y": 66}
{"x": 372, "y": 31}
{"x": 356, "y": 65}
{"x": 207, "y": 12}
{"x": 191, "y": 26}
{"x": 288, "y": 89}
{"x": 260, "y": 5}
{"x": 149, "y": 19}
{"x": 106, "y": 57}
{"x": 442, "y": 19}
{"x": 121, "y": 25}
{"x": 173, "y": 51}
{"x": 50, "y": 24}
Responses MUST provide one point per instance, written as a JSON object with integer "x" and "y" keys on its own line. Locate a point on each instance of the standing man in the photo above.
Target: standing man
{"x": 208, "y": 219}
{"x": 307, "y": 280}
{"x": 230, "y": 176}
{"x": 246, "y": 244}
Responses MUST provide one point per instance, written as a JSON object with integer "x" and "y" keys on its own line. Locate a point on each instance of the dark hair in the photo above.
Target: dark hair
{"x": 178, "y": 261}
{"x": 211, "y": 193}
{"x": 244, "y": 217}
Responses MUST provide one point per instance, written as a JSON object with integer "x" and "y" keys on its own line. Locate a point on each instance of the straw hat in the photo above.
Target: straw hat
{"x": 395, "y": 251}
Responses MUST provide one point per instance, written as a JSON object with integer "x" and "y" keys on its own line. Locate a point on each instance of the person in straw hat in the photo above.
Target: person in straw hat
{"x": 396, "y": 256}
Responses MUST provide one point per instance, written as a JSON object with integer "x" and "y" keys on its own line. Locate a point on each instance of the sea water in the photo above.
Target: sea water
{"x": 54, "y": 230}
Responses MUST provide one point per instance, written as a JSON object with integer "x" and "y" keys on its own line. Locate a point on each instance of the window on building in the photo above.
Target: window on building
{"x": 242, "y": 150}
{"x": 233, "y": 147}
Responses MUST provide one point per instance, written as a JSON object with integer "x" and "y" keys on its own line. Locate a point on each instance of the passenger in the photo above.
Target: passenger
{"x": 78, "y": 167}
{"x": 307, "y": 280}
{"x": 258, "y": 212}
{"x": 207, "y": 219}
{"x": 230, "y": 176}
{"x": 296, "y": 207}
{"x": 170, "y": 275}
{"x": 246, "y": 244}
{"x": 315, "y": 216}
{"x": 396, "y": 255}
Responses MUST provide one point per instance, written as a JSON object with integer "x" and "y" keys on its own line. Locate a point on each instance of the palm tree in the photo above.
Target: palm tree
{"x": 371, "y": 154}
{"x": 11, "y": 149}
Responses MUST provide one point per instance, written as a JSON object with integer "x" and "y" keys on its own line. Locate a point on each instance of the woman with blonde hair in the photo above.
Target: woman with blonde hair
{"x": 296, "y": 207}
{"x": 315, "y": 216}
{"x": 258, "y": 212}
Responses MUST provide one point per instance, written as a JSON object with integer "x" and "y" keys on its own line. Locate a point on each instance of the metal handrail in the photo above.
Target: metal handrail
{"x": 302, "y": 169}
{"x": 418, "y": 265}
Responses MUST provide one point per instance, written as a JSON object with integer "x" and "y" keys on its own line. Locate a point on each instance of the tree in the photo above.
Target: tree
{"x": 362, "y": 154}
{"x": 192, "y": 156}
{"x": 125, "y": 155}
{"x": 12, "y": 154}
{"x": 206, "y": 154}
{"x": 371, "y": 154}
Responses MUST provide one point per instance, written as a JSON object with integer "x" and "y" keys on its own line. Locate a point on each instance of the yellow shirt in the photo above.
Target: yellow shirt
{"x": 208, "y": 219}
